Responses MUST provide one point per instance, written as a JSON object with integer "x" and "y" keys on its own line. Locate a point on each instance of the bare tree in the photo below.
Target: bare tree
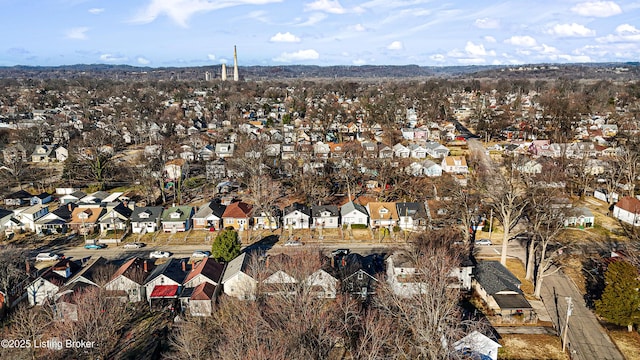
{"x": 28, "y": 324}
{"x": 12, "y": 271}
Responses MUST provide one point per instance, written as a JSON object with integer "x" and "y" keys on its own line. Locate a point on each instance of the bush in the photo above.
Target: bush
{"x": 355, "y": 226}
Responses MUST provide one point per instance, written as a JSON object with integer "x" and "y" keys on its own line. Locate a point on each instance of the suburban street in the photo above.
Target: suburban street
{"x": 587, "y": 339}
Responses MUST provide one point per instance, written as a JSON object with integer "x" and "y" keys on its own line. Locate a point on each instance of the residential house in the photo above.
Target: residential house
{"x": 581, "y": 217}
{"x": 42, "y": 154}
{"x": 417, "y": 151}
{"x": 414, "y": 169}
{"x": 5, "y": 218}
{"x": 455, "y": 165}
{"x": 412, "y": 216}
{"x": 84, "y": 220}
{"x": 60, "y": 154}
{"x": 46, "y": 286}
{"x": 177, "y": 219}
{"x": 530, "y": 167}
{"x": 201, "y": 300}
{"x": 322, "y": 284}
{"x": 128, "y": 281}
{"x": 206, "y": 271}
{"x": 352, "y": 213}
{"x": 431, "y": 169}
{"x": 237, "y": 215}
{"x": 382, "y": 214}
{"x": 209, "y": 216}
{"x": 370, "y": 149}
{"x": 165, "y": 280}
{"x": 224, "y": 150}
{"x": 401, "y": 151}
{"x": 145, "y": 219}
{"x": 296, "y": 216}
{"x": 321, "y": 150}
{"x": 385, "y": 152}
{"x": 358, "y": 273}
{"x": 407, "y": 133}
{"x": 237, "y": 280}
{"x": 174, "y": 169}
{"x": 216, "y": 169}
{"x": 115, "y": 218}
{"x": 56, "y": 221}
{"x": 325, "y": 216}
{"x": 627, "y": 210}
{"x": 29, "y": 215}
{"x": 18, "y": 198}
{"x": 276, "y": 278}
{"x": 72, "y": 197}
{"x": 477, "y": 346}
{"x": 264, "y": 219}
{"x": 41, "y": 199}
{"x": 500, "y": 290}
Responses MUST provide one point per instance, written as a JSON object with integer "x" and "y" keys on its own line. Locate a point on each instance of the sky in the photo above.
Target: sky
{"x": 158, "y": 33}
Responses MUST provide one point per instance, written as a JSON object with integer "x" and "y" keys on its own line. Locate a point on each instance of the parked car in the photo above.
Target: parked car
{"x": 47, "y": 256}
{"x": 342, "y": 252}
{"x": 134, "y": 245}
{"x": 159, "y": 254}
{"x": 200, "y": 254}
{"x": 95, "y": 246}
{"x": 293, "y": 243}
{"x": 483, "y": 242}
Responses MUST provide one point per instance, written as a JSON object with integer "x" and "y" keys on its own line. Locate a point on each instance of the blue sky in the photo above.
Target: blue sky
{"x": 321, "y": 32}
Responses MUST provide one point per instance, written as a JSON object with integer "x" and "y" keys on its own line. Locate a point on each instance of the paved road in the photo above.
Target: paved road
{"x": 586, "y": 338}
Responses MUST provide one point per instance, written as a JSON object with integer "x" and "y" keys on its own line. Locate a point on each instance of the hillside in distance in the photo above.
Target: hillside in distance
{"x": 605, "y": 71}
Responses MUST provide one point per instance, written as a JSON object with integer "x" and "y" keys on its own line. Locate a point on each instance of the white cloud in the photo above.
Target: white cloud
{"x": 180, "y": 11}
{"x": 597, "y": 8}
{"x": 357, "y": 28}
{"x": 626, "y": 29}
{"x": 313, "y": 19}
{"x": 284, "y": 37}
{"x": 624, "y": 33}
{"x": 359, "y": 62}
{"x": 490, "y": 39}
{"x": 437, "y": 57}
{"x": 546, "y": 49}
{"x": 211, "y": 57}
{"x": 79, "y": 33}
{"x": 112, "y": 58}
{"x": 329, "y": 6}
{"x": 477, "y": 50}
{"x": 526, "y": 41}
{"x": 301, "y": 55}
{"x": 396, "y": 45}
{"x": 96, "y": 11}
{"x": 487, "y": 23}
{"x": 143, "y": 61}
{"x": 571, "y": 30}
{"x": 575, "y": 58}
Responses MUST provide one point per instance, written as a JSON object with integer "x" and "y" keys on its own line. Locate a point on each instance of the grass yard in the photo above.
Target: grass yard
{"x": 531, "y": 347}
{"x": 627, "y": 342}
{"x": 517, "y": 268}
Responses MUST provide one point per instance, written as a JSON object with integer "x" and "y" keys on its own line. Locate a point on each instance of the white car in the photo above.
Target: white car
{"x": 200, "y": 254}
{"x": 293, "y": 243}
{"x": 483, "y": 242}
{"x": 47, "y": 256}
{"x": 133, "y": 245}
{"x": 159, "y": 254}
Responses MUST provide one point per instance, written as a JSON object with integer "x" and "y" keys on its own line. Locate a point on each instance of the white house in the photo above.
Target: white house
{"x": 455, "y": 165}
{"x": 627, "y": 210}
{"x": 128, "y": 280}
{"x": 477, "y": 346}
{"x": 168, "y": 276}
{"x": 322, "y": 284}
{"x": 417, "y": 151}
{"x": 401, "y": 151}
{"x": 28, "y": 216}
{"x": 296, "y": 216}
{"x": 46, "y": 286}
{"x": 326, "y": 216}
{"x": 352, "y": 213}
{"x": 236, "y": 280}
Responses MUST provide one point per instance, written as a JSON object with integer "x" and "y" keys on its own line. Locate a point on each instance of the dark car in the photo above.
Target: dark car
{"x": 95, "y": 246}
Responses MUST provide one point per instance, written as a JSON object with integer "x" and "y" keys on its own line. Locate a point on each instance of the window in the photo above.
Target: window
{"x": 360, "y": 275}
{"x": 134, "y": 292}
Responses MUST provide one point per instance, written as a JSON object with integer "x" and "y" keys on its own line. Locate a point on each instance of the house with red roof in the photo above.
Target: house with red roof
{"x": 237, "y": 215}
{"x": 627, "y": 210}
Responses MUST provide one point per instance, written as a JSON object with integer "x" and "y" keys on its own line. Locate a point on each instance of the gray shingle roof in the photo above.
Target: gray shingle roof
{"x": 494, "y": 277}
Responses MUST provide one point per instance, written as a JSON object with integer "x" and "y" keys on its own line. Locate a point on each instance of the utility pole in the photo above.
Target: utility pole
{"x": 490, "y": 224}
{"x": 566, "y": 323}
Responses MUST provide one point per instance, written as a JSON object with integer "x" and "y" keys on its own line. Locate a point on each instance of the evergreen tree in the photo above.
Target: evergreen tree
{"x": 620, "y": 302}
{"x": 226, "y": 246}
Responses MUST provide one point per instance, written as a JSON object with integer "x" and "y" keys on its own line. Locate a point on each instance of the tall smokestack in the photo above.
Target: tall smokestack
{"x": 235, "y": 64}
{"x": 224, "y": 72}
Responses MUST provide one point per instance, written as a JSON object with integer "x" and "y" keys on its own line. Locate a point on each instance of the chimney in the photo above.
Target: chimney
{"x": 145, "y": 266}
{"x": 224, "y": 72}
{"x": 267, "y": 263}
{"x": 333, "y": 261}
{"x": 69, "y": 207}
{"x": 28, "y": 267}
{"x": 184, "y": 265}
{"x": 344, "y": 261}
{"x": 235, "y": 64}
